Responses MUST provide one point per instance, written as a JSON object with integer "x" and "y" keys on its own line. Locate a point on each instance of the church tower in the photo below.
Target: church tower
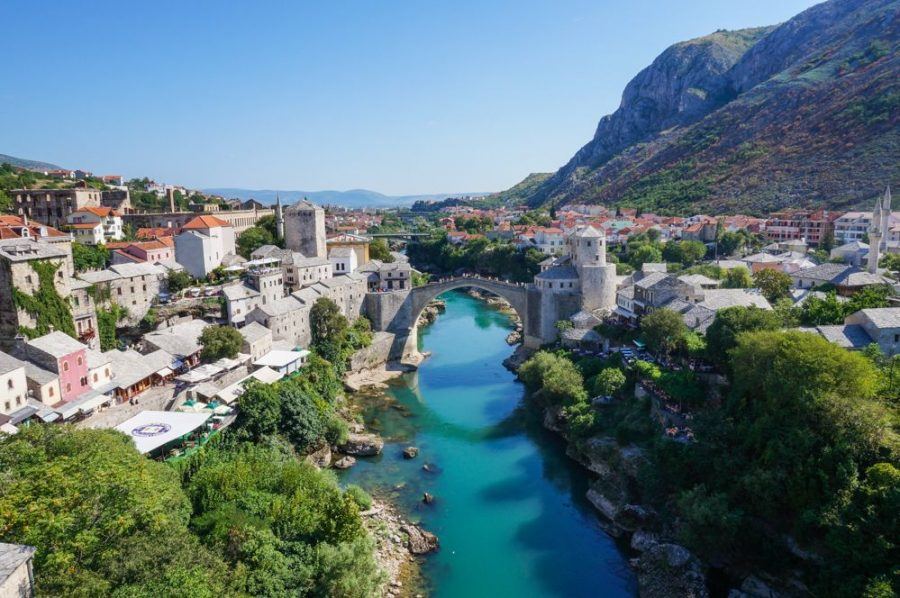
{"x": 304, "y": 229}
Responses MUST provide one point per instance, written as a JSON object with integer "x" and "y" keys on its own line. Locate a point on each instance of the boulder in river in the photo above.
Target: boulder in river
{"x": 427, "y": 498}
{"x": 410, "y": 452}
{"x": 420, "y": 541}
{"x": 643, "y": 540}
{"x": 320, "y": 458}
{"x": 431, "y": 468}
{"x": 667, "y": 570}
{"x": 362, "y": 445}
{"x": 345, "y": 463}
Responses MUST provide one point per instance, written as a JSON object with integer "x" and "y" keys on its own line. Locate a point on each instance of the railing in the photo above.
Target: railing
{"x": 491, "y": 279}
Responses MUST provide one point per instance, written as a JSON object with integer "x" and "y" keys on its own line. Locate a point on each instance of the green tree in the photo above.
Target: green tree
{"x": 178, "y": 280}
{"x": 737, "y": 278}
{"x": 645, "y": 254}
{"x": 220, "y": 341}
{"x": 105, "y": 519}
{"x": 252, "y": 239}
{"x": 608, "y": 382}
{"x": 773, "y": 284}
{"x": 663, "y": 330}
{"x": 379, "y": 250}
{"x": 259, "y": 410}
{"x": 89, "y": 257}
{"x": 722, "y": 334}
{"x": 329, "y": 331}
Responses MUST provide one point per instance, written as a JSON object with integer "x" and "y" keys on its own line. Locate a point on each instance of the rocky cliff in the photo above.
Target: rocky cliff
{"x": 803, "y": 113}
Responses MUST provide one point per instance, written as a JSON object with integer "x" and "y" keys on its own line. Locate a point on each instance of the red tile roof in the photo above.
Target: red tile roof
{"x": 205, "y": 221}
{"x": 101, "y": 211}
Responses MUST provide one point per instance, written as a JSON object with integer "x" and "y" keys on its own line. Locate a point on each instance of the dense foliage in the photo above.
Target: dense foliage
{"x": 220, "y": 341}
{"x": 333, "y": 338}
{"x": 107, "y": 321}
{"x": 48, "y": 308}
{"x": 800, "y": 449}
{"x": 379, "y": 250}
{"x": 490, "y": 258}
{"x": 89, "y": 257}
{"x": 252, "y": 239}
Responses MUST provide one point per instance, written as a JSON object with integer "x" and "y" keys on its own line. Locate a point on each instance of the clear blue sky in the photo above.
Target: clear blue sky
{"x": 401, "y": 97}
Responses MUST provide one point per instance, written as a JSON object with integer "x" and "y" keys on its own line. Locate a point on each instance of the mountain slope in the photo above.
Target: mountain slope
{"x": 29, "y": 164}
{"x": 800, "y": 114}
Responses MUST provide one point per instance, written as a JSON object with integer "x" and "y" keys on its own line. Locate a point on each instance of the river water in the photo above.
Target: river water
{"x": 509, "y": 506}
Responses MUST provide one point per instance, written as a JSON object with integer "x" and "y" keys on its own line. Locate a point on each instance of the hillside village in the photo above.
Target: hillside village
{"x": 60, "y": 370}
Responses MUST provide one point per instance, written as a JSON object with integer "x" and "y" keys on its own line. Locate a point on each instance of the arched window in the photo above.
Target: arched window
{"x": 65, "y": 366}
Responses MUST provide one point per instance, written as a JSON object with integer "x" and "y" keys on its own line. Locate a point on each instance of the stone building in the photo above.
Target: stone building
{"x": 54, "y": 206}
{"x": 17, "y": 271}
{"x": 299, "y": 271}
{"x": 16, "y": 573}
{"x": 304, "y": 229}
{"x": 239, "y": 220}
{"x": 134, "y": 287}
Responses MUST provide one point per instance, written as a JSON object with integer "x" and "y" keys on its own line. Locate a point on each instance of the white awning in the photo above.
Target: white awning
{"x": 152, "y": 429}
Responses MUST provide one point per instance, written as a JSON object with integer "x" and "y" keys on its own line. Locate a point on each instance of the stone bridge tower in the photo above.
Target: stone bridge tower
{"x": 304, "y": 229}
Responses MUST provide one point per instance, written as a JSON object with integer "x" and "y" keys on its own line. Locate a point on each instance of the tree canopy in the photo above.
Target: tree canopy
{"x": 220, "y": 341}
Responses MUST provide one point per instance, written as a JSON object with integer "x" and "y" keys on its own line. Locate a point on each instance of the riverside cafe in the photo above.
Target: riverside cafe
{"x": 167, "y": 434}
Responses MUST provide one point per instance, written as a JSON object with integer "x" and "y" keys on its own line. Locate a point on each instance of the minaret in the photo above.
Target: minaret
{"x": 881, "y": 217}
{"x": 885, "y": 217}
{"x": 279, "y": 218}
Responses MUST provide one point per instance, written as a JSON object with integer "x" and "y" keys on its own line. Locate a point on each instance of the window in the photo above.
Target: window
{"x": 107, "y": 372}
{"x": 9, "y": 384}
{"x": 8, "y": 406}
{"x": 80, "y": 360}
{"x": 50, "y": 394}
{"x": 65, "y": 366}
{"x": 69, "y": 387}
{"x": 96, "y": 377}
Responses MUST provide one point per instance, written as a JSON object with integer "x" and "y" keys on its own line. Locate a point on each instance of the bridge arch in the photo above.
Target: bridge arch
{"x": 515, "y": 293}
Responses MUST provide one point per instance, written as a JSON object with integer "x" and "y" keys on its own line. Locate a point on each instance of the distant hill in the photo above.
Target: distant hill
{"x": 29, "y": 164}
{"x": 805, "y": 113}
{"x": 354, "y": 198}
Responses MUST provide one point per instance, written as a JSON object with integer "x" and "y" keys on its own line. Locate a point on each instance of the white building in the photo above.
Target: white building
{"x": 94, "y": 225}
{"x": 13, "y": 384}
{"x": 203, "y": 243}
{"x": 343, "y": 260}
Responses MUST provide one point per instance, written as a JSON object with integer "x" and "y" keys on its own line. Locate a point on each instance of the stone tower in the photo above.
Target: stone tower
{"x": 879, "y": 230}
{"x": 279, "y": 218}
{"x": 598, "y": 278}
{"x": 304, "y": 229}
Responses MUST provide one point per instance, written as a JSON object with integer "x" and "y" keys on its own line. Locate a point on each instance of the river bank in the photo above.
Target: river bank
{"x": 508, "y": 505}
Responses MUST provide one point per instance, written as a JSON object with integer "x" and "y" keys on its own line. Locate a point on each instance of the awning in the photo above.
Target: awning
{"x": 153, "y": 429}
{"x": 17, "y": 417}
{"x": 165, "y": 372}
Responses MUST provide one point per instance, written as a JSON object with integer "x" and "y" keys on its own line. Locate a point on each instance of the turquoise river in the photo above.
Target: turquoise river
{"x": 509, "y": 506}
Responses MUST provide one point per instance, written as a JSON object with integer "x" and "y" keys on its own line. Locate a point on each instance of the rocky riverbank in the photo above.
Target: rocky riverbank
{"x": 663, "y": 567}
{"x": 376, "y": 377}
{"x": 394, "y": 548}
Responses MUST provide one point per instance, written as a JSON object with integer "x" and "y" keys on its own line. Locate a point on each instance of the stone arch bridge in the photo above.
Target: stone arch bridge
{"x": 515, "y": 293}
{"x": 398, "y": 311}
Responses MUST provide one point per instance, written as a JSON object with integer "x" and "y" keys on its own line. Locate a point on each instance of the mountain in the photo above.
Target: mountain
{"x": 801, "y": 114}
{"x": 29, "y": 164}
{"x": 354, "y": 198}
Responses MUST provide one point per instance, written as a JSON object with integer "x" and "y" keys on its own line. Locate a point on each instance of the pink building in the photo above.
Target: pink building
{"x": 60, "y": 353}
